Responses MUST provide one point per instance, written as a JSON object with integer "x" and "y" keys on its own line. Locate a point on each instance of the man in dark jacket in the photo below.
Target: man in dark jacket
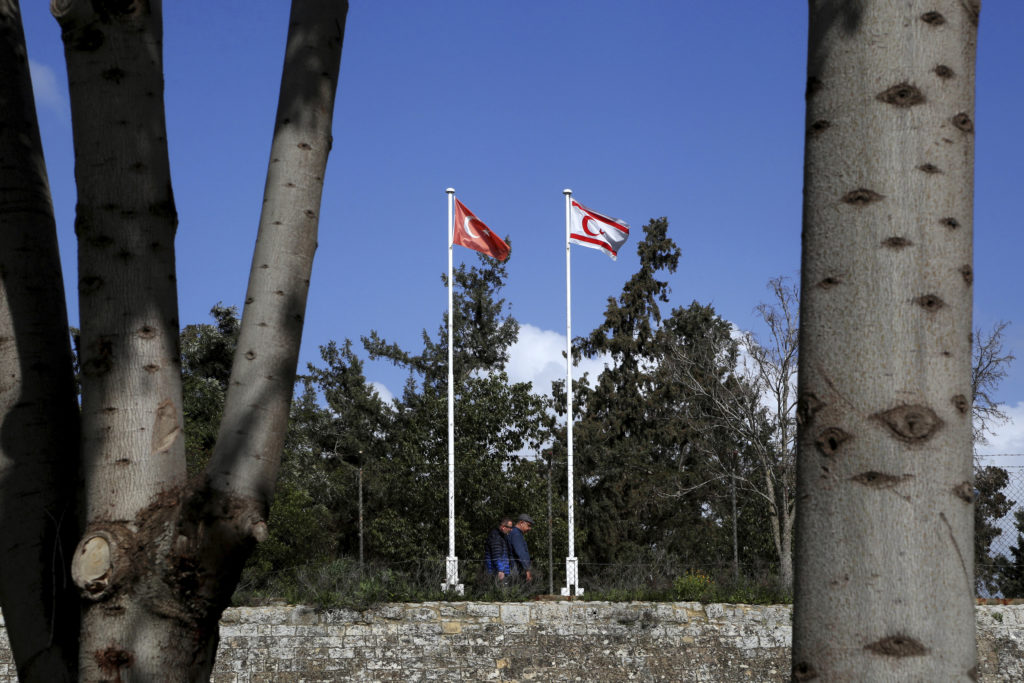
{"x": 496, "y": 551}
{"x": 520, "y": 555}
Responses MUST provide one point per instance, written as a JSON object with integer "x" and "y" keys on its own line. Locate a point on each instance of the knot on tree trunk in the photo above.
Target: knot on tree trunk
{"x": 101, "y": 561}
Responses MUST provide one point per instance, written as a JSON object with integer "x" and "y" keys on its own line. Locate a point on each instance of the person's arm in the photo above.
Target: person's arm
{"x": 518, "y": 543}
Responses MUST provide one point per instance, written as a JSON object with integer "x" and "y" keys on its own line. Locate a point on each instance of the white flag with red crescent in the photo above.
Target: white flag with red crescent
{"x": 588, "y": 228}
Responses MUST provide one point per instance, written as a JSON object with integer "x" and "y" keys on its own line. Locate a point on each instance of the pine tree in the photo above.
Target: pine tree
{"x": 635, "y": 443}
{"x": 499, "y": 426}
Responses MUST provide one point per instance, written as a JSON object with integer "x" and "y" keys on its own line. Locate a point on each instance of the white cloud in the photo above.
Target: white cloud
{"x": 538, "y": 357}
{"x": 48, "y": 90}
{"x": 1008, "y": 438}
{"x": 383, "y": 392}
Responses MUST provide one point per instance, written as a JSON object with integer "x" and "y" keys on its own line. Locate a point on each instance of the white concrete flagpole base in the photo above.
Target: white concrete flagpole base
{"x": 451, "y": 582}
{"x": 572, "y": 586}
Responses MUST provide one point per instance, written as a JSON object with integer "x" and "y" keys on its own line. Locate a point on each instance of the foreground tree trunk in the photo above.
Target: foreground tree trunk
{"x": 884, "y": 585}
{"x": 159, "y": 559}
{"x": 39, "y": 435}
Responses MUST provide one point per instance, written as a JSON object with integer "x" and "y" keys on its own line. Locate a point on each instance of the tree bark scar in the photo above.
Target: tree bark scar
{"x": 804, "y": 671}
{"x": 933, "y": 18}
{"x": 813, "y": 86}
{"x": 968, "y": 274}
{"x": 898, "y": 645}
{"x": 930, "y": 302}
{"x": 808, "y": 405}
{"x": 896, "y": 242}
{"x": 818, "y": 127}
{"x": 111, "y": 660}
{"x": 973, "y": 8}
{"x": 950, "y": 223}
{"x": 101, "y": 360}
{"x": 943, "y": 71}
{"x": 830, "y": 439}
{"x": 961, "y": 404}
{"x": 87, "y": 284}
{"x": 901, "y": 95}
{"x": 912, "y": 424}
{"x": 956, "y": 546}
{"x": 964, "y": 491}
{"x": 165, "y": 427}
{"x": 113, "y": 74}
{"x": 163, "y": 209}
{"x": 861, "y": 197}
{"x": 828, "y": 282}
{"x": 930, "y": 169}
{"x": 963, "y": 122}
{"x": 880, "y": 480}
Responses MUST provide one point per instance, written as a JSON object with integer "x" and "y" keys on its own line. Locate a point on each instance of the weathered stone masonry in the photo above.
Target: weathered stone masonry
{"x": 537, "y": 641}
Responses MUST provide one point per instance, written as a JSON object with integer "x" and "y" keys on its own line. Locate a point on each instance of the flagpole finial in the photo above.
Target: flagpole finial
{"x": 450, "y": 190}
{"x": 566, "y": 191}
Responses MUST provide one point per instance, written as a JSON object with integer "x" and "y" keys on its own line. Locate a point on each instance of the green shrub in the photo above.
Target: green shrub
{"x": 693, "y": 586}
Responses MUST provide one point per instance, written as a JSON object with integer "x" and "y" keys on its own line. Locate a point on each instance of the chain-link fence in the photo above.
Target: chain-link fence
{"x": 1014, "y": 493}
{"x": 999, "y": 568}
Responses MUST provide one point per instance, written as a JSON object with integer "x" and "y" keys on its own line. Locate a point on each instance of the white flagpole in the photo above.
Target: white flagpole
{"x": 572, "y": 586}
{"x": 451, "y": 562}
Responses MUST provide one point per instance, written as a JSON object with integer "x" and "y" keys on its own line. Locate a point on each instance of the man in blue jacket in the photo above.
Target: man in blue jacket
{"x": 496, "y": 551}
{"x": 519, "y": 558}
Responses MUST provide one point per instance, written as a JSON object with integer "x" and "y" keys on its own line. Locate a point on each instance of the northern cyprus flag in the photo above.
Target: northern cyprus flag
{"x": 588, "y": 228}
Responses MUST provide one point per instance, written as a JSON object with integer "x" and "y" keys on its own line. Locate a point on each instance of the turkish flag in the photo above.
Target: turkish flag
{"x": 470, "y": 231}
{"x": 588, "y": 228}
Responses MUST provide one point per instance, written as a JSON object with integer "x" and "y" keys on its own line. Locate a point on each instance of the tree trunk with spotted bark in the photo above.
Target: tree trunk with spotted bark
{"x": 39, "y": 435}
{"x": 884, "y": 577}
{"x": 159, "y": 557}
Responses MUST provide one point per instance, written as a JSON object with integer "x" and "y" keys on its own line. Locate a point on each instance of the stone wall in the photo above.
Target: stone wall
{"x": 537, "y": 641}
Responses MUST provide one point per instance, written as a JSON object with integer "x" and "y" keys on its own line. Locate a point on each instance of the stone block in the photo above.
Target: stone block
{"x": 483, "y": 609}
{"x": 515, "y": 613}
{"x": 421, "y": 614}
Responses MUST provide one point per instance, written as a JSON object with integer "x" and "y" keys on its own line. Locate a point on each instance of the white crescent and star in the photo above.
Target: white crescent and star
{"x": 465, "y": 226}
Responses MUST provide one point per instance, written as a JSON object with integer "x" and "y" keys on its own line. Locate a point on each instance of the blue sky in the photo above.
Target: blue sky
{"x": 688, "y": 110}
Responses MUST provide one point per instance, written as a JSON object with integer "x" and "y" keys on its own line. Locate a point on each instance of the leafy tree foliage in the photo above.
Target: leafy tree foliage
{"x": 637, "y": 446}
{"x": 1012, "y": 570}
{"x": 676, "y": 448}
{"x": 684, "y": 442}
{"x": 990, "y": 505}
{"x": 206, "y": 354}
{"x": 499, "y": 427}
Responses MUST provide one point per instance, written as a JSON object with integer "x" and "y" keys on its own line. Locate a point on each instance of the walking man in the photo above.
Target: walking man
{"x": 496, "y": 551}
{"x": 520, "y": 556}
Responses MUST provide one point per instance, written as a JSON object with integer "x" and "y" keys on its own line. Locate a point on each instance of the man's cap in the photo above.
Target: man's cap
{"x": 525, "y": 518}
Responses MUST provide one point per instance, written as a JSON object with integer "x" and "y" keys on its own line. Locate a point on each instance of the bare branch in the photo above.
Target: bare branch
{"x": 990, "y": 364}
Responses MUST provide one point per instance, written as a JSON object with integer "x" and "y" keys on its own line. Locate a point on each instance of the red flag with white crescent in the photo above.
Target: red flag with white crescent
{"x": 470, "y": 231}
{"x": 588, "y": 228}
